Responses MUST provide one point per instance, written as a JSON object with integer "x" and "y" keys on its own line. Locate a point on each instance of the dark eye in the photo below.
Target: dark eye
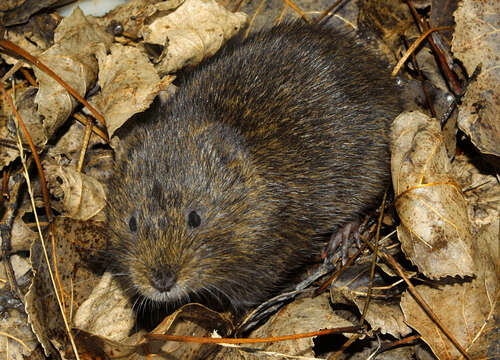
{"x": 132, "y": 224}
{"x": 194, "y": 219}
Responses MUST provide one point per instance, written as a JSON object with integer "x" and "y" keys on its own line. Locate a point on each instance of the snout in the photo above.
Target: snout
{"x": 163, "y": 278}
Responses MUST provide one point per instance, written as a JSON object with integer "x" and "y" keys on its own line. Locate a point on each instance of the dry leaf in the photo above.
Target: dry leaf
{"x": 129, "y": 83}
{"x": 476, "y": 41}
{"x": 72, "y": 57}
{"x": 107, "y": 312}
{"x": 194, "y": 31}
{"x": 435, "y": 229}
{"x": 469, "y": 310}
{"x": 302, "y": 315}
{"x": 100, "y": 333}
{"x": 19, "y": 11}
{"x": 22, "y": 235}
{"x": 15, "y": 323}
{"x": 25, "y": 104}
{"x": 77, "y": 244}
{"x": 383, "y": 312}
{"x": 192, "y": 320}
{"x": 80, "y": 196}
{"x": 481, "y": 189}
{"x": 131, "y": 15}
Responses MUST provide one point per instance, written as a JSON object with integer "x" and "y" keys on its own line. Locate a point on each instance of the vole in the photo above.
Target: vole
{"x": 237, "y": 181}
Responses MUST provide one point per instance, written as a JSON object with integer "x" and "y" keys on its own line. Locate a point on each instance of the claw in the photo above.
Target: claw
{"x": 343, "y": 238}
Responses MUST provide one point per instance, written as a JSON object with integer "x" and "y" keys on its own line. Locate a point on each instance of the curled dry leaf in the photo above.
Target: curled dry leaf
{"x": 81, "y": 197}
{"x": 435, "y": 229}
{"x": 26, "y": 107}
{"x": 72, "y": 57}
{"x": 476, "y": 41}
{"x": 194, "y": 31}
{"x": 129, "y": 83}
{"x": 470, "y": 310}
{"x": 77, "y": 245}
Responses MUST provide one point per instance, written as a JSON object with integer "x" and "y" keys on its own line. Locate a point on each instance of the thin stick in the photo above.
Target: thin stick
{"x": 85, "y": 144}
{"x": 374, "y": 261}
{"x": 250, "y": 23}
{"x": 207, "y": 340}
{"x": 327, "y": 11}
{"x": 83, "y": 120}
{"x": 15, "y": 339}
{"x": 297, "y": 9}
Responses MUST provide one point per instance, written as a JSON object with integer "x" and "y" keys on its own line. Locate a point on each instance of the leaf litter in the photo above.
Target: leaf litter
{"x": 447, "y": 201}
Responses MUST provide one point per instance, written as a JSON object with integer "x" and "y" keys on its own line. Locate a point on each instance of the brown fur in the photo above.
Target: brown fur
{"x": 275, "y": 143}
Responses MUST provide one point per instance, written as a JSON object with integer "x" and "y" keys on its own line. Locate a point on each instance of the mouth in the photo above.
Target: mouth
{"x": 175, "y": 295}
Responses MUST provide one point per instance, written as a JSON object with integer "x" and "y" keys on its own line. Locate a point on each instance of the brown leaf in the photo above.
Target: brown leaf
{"x": 476, "y": 41}
{"x": 480, "y": 187}
{"x": 302, "y": 315}
{"x": 129, "y": 83}
{"x": 383, "y": 312}
{"x": 106, "y": 319}
{"x": 19, "y": 11}
{"x": 194, "y": 31}
{"x": 107, "y": 312}
{"x": 435, "y": 229}
{"x": 77, "y": 243}
{"x": 25, "y": 105}
{"x": 469, "y": 310}
{"x": 14, "y": 321}
{"x": 72, "y": 58}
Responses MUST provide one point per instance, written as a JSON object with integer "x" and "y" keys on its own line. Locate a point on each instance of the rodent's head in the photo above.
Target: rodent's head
{"x": 186, "y": 216}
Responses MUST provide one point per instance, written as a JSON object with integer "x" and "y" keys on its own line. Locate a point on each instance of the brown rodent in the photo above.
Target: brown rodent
{"x": 264, "y": 151}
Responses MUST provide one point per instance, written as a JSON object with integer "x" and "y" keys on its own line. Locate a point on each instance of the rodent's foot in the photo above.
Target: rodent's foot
{"x": 343, "y": 239}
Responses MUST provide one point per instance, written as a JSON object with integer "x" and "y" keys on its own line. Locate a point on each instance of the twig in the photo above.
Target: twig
{"x": 374, "y": 261}
{"x": 207, "y": 340}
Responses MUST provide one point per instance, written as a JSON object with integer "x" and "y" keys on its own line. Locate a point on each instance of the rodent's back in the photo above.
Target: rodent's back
{"x": 272, "y": 144}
